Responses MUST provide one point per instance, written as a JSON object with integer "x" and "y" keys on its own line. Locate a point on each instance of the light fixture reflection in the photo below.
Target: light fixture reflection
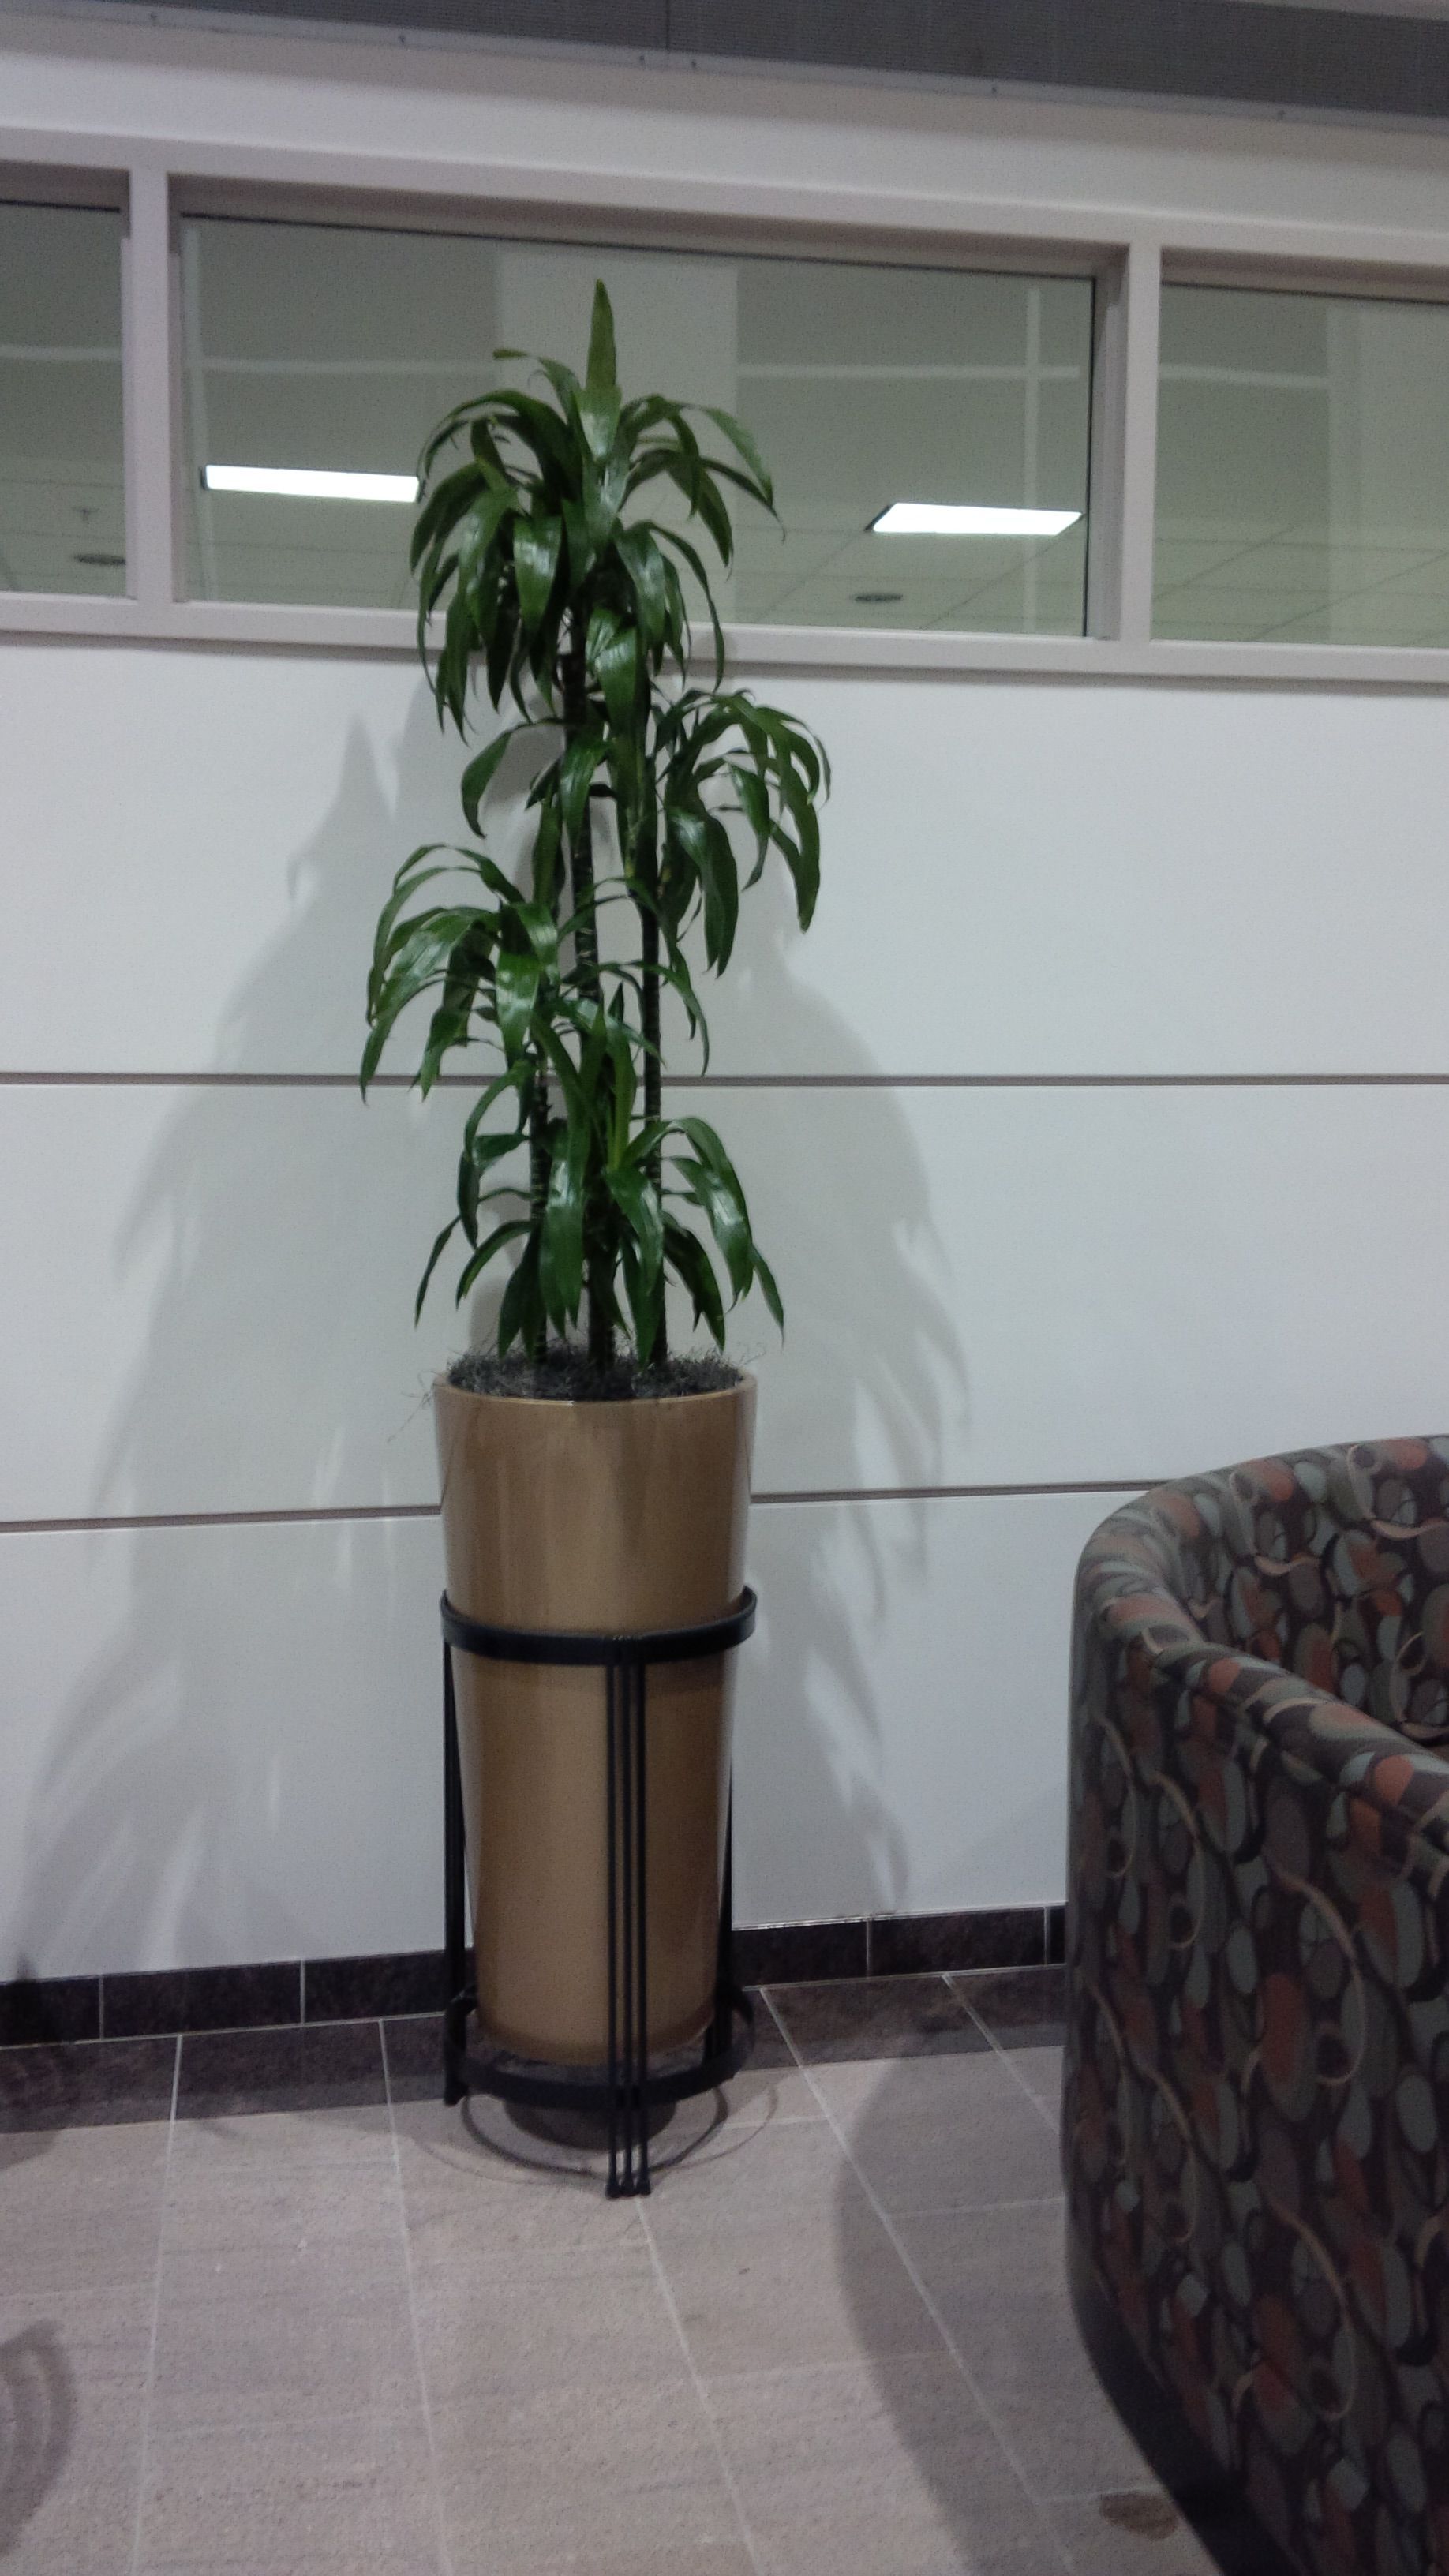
{"x": 300, "y": 483}
{"x": 960, "y": 519}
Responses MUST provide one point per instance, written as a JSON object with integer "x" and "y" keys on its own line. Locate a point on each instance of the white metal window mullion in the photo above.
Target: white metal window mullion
{"x": 1124, "y": 446}
{"x": 149, "y": 357}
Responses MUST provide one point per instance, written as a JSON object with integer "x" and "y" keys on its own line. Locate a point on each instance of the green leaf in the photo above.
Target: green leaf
{"x": 765, "y": 1280}
{"x": 613, "y": 656}
{"x": 561, "y": 1238}
{"x": 576, "y": 776}
{"x": 637, "y": 1199}
{"x": 481, "y": 771}
{"x": 449, "y": 1230}
{"x": 536, "y": 547}
{"x": 516, "y": 979}
{"x": 599, "y": 414}
{"x": 691, "y": 1264}
{"x": 443, "y": 507}
{"x": 540, "y": 930}
{"x": 621, "y": 1056}
{"x": 487, "y": 1251}
{"x": 603, "y": 370}
{"x": 729, "y": 1223}
{"x": 538, "y": 427}
{"x": 706, "y": 844}
{"x": 709, "y": 1149}
{"x": 743, "y": 444}
{"x": 478, "y": 1157}
{"x": 603, "y": 496}
{"x": 521, "y": 1317}
{"x": 547, "y": 855}
{"x": 644, "y": 564}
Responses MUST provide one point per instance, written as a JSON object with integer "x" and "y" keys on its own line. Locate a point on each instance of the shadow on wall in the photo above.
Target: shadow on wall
{"x": 247, "y": 1769}
{"x": 207, "y": 1797}
{"x": 870, "y": 1342}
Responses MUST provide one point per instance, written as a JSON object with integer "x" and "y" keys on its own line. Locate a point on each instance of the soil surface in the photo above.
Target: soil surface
{"x": 564, "y": 1376}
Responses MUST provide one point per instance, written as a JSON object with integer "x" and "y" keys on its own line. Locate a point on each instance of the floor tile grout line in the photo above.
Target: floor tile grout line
{"x": 982, "y": 2208}
{"x": 1059, "y": 2557}
{"x": 1052, "y": 2119}
{"x": 701, "y": 2393}
{"x": 783, "y": 2029}
{"x": 148, "y": 2391}
{"x": 444, "y": 2546}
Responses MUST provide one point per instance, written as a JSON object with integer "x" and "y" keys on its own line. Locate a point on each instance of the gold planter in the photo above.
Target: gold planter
{"x": 617, "y": 1517}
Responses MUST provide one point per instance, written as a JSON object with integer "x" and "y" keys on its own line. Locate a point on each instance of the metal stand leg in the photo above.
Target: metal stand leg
{"x": 717, "y": 2037}
{"x": 455, "y": 2010}
{"x": 628, "y": 1932}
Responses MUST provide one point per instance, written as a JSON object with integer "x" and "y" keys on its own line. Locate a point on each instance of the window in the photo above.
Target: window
{"x": 1302, "y": 469}
{"x": 62, "y": 485}
{"x": 311, "y": 349}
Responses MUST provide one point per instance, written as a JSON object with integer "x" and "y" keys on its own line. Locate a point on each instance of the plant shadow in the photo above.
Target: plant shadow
{"x": 246, "y": 1767}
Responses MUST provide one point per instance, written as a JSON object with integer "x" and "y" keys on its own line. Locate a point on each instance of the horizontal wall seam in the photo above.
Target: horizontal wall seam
{"x": 757, "y": 1081}
{"x": 429, "y": 1511}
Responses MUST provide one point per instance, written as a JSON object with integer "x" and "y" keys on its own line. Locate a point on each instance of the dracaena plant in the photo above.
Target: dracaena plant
{"x": 647, "y": 794}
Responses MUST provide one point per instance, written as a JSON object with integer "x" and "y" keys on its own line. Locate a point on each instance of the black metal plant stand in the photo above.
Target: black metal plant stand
{"x": 626, "y": 2088}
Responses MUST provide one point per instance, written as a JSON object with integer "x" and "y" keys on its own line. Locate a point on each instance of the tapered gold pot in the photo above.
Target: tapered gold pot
{"x": 591, "y": 1516}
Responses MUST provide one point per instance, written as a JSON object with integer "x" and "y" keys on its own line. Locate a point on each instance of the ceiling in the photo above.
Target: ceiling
{"x": 1377, "y": 58}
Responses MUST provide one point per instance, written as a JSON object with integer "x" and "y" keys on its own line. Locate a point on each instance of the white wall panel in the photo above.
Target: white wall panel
{"x": 224, "y": 1743}
{"x": 197, "y": 848}
{"x": 208, "y": 1298}
{"x": 903, "y": 1713}
{"x": 1053, "y": 879}
{"x": 1055, "y": 1286}
{"x": 219, "y": 1744}
{"x": 1041, "y": 879}
{"x": 209, "y": 1292}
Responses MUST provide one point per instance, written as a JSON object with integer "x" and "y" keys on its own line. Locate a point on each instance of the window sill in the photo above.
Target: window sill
{"x": 389, "y": 633}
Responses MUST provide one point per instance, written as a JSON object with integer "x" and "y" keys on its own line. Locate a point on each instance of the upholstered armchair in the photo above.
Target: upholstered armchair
{"x": 1256, "y": 2114}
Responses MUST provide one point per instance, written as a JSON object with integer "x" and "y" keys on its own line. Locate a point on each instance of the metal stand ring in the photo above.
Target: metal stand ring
{"x": 626, "y": 2088}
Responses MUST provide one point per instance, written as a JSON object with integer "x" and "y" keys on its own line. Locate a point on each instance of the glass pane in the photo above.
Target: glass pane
{"x": 318, "y": 349}
{"x": 1302, "y": 469}
{"x": 62, "y": 480}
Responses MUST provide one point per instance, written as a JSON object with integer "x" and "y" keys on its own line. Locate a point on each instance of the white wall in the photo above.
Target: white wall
{"x": 1015, "y": 1279}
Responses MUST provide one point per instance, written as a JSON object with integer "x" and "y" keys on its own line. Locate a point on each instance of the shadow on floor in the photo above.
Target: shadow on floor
{"x": 37, "y": 2424}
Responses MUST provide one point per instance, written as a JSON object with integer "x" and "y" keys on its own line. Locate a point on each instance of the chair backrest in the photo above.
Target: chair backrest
{"x": 1333, "y": 1563}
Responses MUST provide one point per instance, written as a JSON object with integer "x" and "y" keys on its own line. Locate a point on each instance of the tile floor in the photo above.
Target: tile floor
{"x": 266, "y": 2305}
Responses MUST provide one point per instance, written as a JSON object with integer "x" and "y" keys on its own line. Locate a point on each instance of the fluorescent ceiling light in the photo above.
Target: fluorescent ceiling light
{"x": 952, "y": 519}
{"x": 283, "y": 482}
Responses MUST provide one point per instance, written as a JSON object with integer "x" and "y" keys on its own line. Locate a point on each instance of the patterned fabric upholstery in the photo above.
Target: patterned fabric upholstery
{"x": 1256, "y": 2119}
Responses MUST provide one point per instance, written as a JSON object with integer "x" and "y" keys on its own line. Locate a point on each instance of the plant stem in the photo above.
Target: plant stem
{"x": 581, "y": 847}
{"x": 538, "y": 1178}
{"x": 586, "y": 950}
{"x": 647, "y": 864}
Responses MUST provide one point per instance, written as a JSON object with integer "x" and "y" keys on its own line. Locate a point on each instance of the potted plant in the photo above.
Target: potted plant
{"x": 590, "y": 1478}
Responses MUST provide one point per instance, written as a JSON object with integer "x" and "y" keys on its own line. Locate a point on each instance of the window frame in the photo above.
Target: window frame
{"x": 157, "y": 186}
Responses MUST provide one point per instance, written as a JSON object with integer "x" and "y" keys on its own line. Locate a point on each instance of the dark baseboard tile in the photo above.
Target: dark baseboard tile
{"x": 145, "y": 2002}
{"x": 918, "y": 1945}
{"x": 36, "y": 2012}
{"x": 381, "y": 1986}
{"x": 394, "y": 1985}
{"x": 85, "y": 2084}
{"x": 781, "y": 1954}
